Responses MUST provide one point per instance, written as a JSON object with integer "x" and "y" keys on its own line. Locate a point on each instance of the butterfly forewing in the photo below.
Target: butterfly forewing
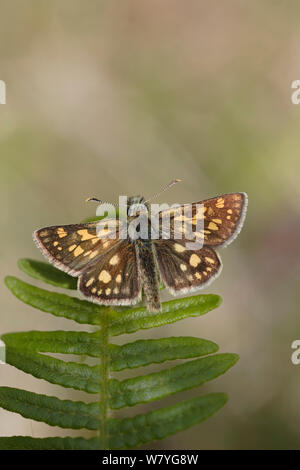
{"x": 212, "y": 222}
{"x": 114, "y": 279}
{"x": 74, "y": 247}
{"x": 223, "y": 218}
{"x": 184, "y": 270}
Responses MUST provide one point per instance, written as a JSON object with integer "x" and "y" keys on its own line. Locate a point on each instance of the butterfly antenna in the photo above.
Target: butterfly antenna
{"x": 94, "y": 199}
{"x": 175, "y": 181}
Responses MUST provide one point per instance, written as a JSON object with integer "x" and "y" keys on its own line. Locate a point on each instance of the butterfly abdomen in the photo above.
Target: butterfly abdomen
{"x": 148, "y": 274}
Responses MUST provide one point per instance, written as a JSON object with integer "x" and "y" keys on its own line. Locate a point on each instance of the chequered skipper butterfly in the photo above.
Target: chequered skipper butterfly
{"x": 115, "y": 271}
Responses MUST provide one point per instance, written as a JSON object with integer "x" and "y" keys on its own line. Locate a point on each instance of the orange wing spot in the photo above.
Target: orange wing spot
{"x": 90, "y": 281}
{"x": 218, "y": 221}
{"x": 104, "y": 276}
{"x": 194, "y": 260}
{"x": 72, "y": 247}
{"x": 78, "y": 251}
{"x": 213, "y": 226}
{"x": 220, "y": 203}
{"x": 85, "y": 235}
{"x": 179, "y": 248}
{"x": 209, "y": 260}
{"x": 61, "y": 232}
{"x": 114, "y": 260}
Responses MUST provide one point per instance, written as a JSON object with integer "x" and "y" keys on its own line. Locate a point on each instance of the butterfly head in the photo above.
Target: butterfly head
{"x": 136, "y": 205}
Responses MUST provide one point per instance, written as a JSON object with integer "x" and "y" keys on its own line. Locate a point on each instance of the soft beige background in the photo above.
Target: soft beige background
{"x": 107, "y": 98}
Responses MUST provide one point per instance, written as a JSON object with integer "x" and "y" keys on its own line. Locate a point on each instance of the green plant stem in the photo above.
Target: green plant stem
{"x": 104, "y": 383}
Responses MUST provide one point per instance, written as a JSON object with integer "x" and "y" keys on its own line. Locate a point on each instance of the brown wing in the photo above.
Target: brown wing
{"x": 74, "y": 247}
{"x": 220, "y": 219}
{"x": 114, "y": 279}
{"x": 183, "y": 270}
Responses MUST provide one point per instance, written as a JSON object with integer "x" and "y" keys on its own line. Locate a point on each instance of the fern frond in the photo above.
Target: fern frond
{"x": 29, "y": 351}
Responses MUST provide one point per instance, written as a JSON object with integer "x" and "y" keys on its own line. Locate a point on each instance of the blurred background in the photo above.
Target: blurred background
{"x": 107, "y": 98}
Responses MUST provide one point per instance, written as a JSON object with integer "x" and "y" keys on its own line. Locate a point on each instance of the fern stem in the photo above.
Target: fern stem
{"x": 104, "y": 383}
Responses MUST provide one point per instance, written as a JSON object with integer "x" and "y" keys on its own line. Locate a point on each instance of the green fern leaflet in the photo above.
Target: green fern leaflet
{"x": 27, "y": 352}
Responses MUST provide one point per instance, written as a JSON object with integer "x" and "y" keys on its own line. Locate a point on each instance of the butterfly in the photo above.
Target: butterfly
{"x": 115, "y": 270}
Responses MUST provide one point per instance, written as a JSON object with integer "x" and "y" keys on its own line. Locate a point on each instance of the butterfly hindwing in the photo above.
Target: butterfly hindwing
{"x": 73, "y": 247}
{"x": 114, "y": 279}
{"x": 183, "y": 270}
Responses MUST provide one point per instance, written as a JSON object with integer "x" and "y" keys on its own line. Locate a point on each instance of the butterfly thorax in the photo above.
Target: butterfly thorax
{"x": 140, "y": 236}
{"x": 138, "y": 212}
